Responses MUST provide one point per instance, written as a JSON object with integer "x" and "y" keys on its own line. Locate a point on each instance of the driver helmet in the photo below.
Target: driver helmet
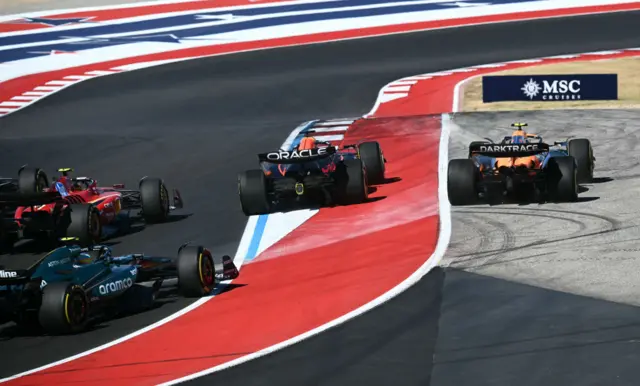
{"x": 519, "y": 136}
{"x": 307, "y": 143}
{"x": 84, "y": 258}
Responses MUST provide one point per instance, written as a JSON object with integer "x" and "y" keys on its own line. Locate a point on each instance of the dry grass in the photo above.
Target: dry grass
{"x": 628, "y": 70}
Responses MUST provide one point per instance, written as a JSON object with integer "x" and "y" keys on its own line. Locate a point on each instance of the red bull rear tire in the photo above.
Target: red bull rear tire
{"x": 252, "y": 189}
{"x": 373, "y": 160}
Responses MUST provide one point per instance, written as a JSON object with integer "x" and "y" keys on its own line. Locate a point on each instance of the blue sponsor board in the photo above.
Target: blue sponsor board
{"x": 549, "y": 88}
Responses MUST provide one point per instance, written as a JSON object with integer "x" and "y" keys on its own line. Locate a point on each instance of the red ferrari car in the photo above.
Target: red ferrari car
{"x": 78, "y": 207}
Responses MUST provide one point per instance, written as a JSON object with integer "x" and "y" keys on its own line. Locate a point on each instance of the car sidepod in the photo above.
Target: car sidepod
{"x": 118, "y": 281}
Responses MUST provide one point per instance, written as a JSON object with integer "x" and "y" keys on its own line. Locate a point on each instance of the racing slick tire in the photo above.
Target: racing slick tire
{"x": 373, "y": 160}
{"x": 196, "y": 271}
{"x": 562, "y": 179}
{"x": 84, "y": 224}
{"x": 154, "y": 197}
{"x": 462, "y": 182}
{"x": 581, "y": 150}
{"x": 353, "y": 186}
{"x": 32, "y": 180}
{"x": 64, "y": 308}
{"x": 252, "y": 189}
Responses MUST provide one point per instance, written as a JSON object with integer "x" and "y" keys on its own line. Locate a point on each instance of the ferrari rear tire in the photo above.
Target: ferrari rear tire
{"x": 64, "y": 308}
{"x": 462, "y": 182}
{"x": 252, "y": 189}
{"x": 562, "y": 179}
{"x": 84, "y": 224}
{"x": 581, "y": 150}
{"x": 154, "y": 197}
{"x": 196, "y": 271}
{"x": 32, "y": 181}
{"x": 373, "y": 160}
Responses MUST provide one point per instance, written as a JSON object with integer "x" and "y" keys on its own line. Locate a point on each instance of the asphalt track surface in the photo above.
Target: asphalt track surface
{"x": 198, "y": 123}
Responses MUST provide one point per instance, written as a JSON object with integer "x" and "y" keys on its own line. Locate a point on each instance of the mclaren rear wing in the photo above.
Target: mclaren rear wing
{"x": 296, "y": 156}
{"x": 508, "y": 150}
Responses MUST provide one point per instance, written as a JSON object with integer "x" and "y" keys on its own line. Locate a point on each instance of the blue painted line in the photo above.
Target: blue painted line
{"x": 196, "y": 31}
{"x": 256, "y": 238}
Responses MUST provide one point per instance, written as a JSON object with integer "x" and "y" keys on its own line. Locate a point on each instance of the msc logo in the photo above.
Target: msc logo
{"x": 280, "y": 155}
{"x": 555, "y": 90}
{"x": 115, "y": 286}
{"x": 508, "y": 148}
{"x": 8, "y": 274}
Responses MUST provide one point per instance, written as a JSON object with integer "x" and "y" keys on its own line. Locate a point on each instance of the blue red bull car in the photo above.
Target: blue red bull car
{"x": 521, "y": 167}
{"x": 71, "y": 288}
{"x": 313, "y": 174}
{"x": 33, "y": 208}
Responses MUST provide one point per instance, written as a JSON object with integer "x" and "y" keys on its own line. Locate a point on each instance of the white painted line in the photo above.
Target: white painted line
{"x": 243, "y": 248}
{"x": 494, "y": 65}
{"x": 392, "y": 88}
{"x": 463, "y": 70}
{"x": 333, "y": 123}
{"x": 458, "y": 96}
{"x": 329, "y": 129}
{"x": 603, "y": 53}
{"x": 561, "y": 57}
{"x": 13, "y": 104}
{"x": 447, "y": 73}
{"x": 59, "y": 83}
{"x": 98, "y": 73}
{"x": 329, "y": 137}
{"x": 404, "y": 82}
{"x": 444, "y": 236}
{"x": 2, "y": 110}
{"x": 25, "y": 98}
{"x": 78, "y": 77}
{"x": 528, "y": 61}
{"x": 46, "y": 88}
{"x": 35, "y": 93}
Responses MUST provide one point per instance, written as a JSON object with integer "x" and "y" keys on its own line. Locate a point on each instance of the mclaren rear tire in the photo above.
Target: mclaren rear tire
{"x": 581, "y": 150}
{"x": 462, "y": 182}
{"x": 562, "y": 179}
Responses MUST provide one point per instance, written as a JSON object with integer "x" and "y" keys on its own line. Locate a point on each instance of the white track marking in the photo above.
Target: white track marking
{"x": 444, "y": 236}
